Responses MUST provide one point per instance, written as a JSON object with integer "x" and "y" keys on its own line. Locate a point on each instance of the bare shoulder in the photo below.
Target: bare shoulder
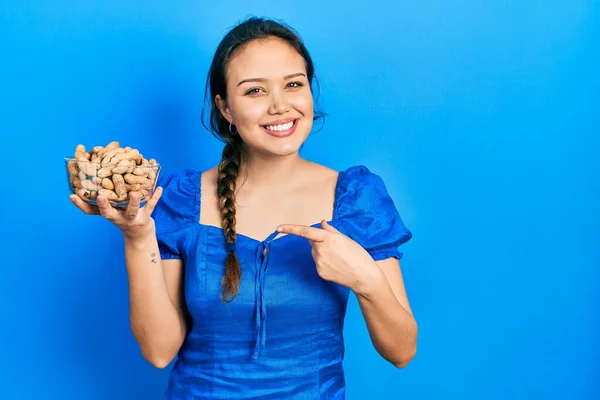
{"x": 319, "y": 181}
{"x": 317, "y": 173}
{"x": 209, "y": 210}
{"x": 209, "y": 177}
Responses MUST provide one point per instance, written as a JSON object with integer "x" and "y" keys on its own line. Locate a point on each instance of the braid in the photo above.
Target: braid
{"x": 226, "y": 184}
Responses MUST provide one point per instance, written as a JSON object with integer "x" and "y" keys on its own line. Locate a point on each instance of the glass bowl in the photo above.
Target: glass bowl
{"x": 115, "y": 181}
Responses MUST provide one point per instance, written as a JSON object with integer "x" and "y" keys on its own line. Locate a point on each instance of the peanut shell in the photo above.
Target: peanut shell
{"x": 105, "y": 172}
{"x": 130, "y": 178}
{"x": 108, "y": 157}
{"x": 89, "y": 185}
{"x": 142, "y": 171}
{"x": 122, "y": 167}
{"x": 83, "y": 193}
{"x": 109, "y": 194}
{"x": 107, "y": 148}
{"x": 119, "y": 185}
{"x": 81, "y": 153}
{"x": 107, "y": 183}
{"x": 130, "y": 155}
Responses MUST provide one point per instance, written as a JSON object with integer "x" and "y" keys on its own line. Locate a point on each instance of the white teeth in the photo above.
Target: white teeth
{"x": 280, "y": 128}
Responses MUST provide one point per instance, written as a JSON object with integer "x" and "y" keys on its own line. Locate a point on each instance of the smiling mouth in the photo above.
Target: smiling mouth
{"x": 280, "y": 127}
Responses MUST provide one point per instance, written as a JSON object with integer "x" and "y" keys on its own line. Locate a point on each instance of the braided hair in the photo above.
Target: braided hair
{"x": 226, "y": 184}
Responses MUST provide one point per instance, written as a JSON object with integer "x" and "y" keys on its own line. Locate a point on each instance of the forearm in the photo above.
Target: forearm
{"x": 392, "y": 328}
{"x": 156, "y": 323}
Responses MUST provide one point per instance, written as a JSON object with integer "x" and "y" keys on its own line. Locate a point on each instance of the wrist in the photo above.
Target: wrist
{"x": 369, "y": 282}
{"x": 139, "y": 240}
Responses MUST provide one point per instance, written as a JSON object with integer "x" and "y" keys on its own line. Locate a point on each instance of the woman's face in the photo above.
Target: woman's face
{"x": 268, "y": 97}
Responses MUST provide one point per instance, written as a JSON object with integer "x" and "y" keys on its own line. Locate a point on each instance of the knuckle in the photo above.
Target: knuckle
{"x": 106, "y": 214}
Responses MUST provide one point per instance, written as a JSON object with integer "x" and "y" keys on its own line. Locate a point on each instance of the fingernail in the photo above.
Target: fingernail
{"x": 100, "y": 200}
{"x": 280, "y": 229}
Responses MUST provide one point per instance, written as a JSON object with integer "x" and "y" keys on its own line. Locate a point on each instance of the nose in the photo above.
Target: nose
{"x": 279, "y": 104}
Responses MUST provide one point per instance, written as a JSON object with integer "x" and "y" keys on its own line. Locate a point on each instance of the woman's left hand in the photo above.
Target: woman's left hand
{"x": 338, "y": 258}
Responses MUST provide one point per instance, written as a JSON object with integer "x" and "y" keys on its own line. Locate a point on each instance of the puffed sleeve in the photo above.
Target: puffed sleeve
{"x": 368, "y": 214}
{"x": 175, "y": 211}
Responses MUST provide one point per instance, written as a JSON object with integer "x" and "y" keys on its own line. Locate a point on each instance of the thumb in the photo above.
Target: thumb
{"x": 325, "y": 226}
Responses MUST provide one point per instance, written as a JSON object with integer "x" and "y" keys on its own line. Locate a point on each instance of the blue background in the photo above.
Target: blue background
{"x": 482, "y": 118}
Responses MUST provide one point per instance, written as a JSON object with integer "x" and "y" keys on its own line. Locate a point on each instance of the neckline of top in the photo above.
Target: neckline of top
{"x": 272, "y": 237}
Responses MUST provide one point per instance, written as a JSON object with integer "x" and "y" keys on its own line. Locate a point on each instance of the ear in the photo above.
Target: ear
{"x": 222, "y": 106}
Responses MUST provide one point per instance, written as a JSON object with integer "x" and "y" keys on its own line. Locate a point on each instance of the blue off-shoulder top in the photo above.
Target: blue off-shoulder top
{"x": 281, "y": 338}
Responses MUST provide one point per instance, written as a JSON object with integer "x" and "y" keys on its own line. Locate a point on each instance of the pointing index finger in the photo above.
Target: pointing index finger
{"x": 308, "y": 232}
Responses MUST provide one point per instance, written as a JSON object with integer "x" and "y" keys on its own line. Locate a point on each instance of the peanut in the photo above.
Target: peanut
{"x": 83, "y": 193}
{"x": 135, "y": 191}
{"x": 130, "y": 178}
{"x": 147, "y": 185}
{"x": 109, "y": 194}
{"x": 108, "y": 184}
{"x": 107, "y": 148}
{"x": 81, "y": 153}
{"x": 111, "y": 154}
{"x": 87, "y": 167}
{"x": 122, "y": 167}
{"x": 73, "y": 172}
{"x": 130, "y": 155}
{"x": 136, "y": 187}
{"x": 105, "y": 172}
{"x": 72, "y": 167}
{"x": 89, "y": 185}
{"x": 119, "y": 185}
{"x": 142, "y": 171}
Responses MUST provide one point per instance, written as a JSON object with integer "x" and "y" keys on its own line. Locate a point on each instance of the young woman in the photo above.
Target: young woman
{"x": 244, "y": 271}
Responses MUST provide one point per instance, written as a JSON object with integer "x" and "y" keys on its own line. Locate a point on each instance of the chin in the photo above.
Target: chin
{"x": 282, "y": 151}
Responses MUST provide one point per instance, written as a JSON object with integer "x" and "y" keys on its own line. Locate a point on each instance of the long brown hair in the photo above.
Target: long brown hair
{"x": 234, "y": 153}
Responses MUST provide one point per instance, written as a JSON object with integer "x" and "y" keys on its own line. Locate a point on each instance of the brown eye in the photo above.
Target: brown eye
{"x": 295, "y": 84}
{"x": 253, "y": 91}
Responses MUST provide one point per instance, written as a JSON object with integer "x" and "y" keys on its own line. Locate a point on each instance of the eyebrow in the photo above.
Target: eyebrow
{"x": 263, "y": 79}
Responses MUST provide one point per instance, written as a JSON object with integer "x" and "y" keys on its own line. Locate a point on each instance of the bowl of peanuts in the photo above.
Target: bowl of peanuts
{"x": 113, "y": 172}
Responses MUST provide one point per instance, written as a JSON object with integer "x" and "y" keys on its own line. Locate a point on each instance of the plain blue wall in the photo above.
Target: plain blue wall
{"x": 482, "y": 118}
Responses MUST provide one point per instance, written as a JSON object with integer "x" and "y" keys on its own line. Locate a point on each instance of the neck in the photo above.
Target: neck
{"x": 268, "y": 171}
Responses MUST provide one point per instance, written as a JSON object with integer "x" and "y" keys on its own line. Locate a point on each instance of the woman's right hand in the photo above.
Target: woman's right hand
{"x": 134, "y": 222}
